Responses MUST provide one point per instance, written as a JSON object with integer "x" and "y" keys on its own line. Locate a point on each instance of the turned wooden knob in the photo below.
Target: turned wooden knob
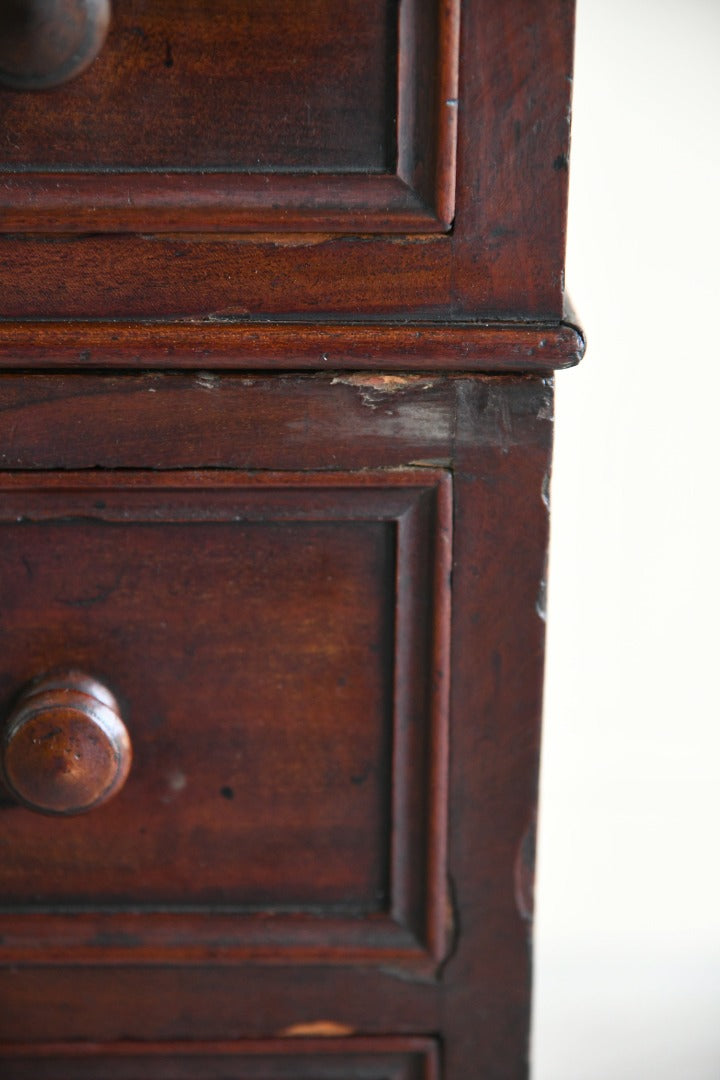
{"x": 65, "y": 749}
{"x": 44, "y": 43}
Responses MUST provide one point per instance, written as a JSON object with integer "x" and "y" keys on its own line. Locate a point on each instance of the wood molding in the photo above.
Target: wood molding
{"x": 288, "y": 346}
{"x": 353, "y": 1058}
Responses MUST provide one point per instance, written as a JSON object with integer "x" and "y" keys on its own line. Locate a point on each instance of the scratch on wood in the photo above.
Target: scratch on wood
{"x": 546, "y": 411}
{"x": 525, "y": 873}
{"x": 374, "y": 388}
{"x": 386, "y": 384}
{"x": 541, "y": 599}
{"x": 322, "y": 1028}
{"x": 207, "y": 381}
{"x": 431, "y": 463}
{"x": 545, "y": 490}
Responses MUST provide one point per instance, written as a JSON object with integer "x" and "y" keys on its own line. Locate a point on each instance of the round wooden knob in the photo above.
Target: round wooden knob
{"x": 65, "y": 749}
{"x": 44, "y": 43}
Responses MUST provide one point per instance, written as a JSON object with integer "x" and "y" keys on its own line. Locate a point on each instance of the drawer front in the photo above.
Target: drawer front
{"x": 243, "y": 114}
{"x": 247, "y": 160}
{"x": 277, "y": 647}
{"x": 289, "y": 1059}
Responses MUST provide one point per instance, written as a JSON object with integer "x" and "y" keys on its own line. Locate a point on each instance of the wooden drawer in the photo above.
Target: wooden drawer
{"x": 327, "y": 825}
{"x": 244, "y": 116}
{"x": 258, "y": 265}
{"x": 245, "y": 160}
{"x": 278, "y": 646}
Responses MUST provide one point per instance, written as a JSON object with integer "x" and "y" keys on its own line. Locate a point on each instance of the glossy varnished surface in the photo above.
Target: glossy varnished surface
{"x": 270, "y": 85}
{"x": 246, "y": 117}
{"x": 282, "y": 346}
{"x": 278, "y": 695}
{"x": 257, "y": 474}
{"x": 64, "y": 747}
{"x": 494, "y": 435}
{"x": 503, "y": 255}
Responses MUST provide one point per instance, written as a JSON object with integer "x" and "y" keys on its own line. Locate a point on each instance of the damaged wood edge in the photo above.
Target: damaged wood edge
{"x": 292, "y": 346}
{"x": 571, "y": 322}
{"x": 325, "y": 1029}
{"x": 524, "y": 871}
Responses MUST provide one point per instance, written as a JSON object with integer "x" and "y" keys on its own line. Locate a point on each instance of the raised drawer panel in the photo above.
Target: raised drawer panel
{"x": 138, "y": 106}
{"x": 244, "y": 114}
{"x": 385, "y": 162}
{"x": 277, "y": 645}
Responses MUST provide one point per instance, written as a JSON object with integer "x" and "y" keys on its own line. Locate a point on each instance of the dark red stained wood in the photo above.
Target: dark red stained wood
{"x": 257, "y": 85}
{"x": 280, "y": 646}
{"x": 298, "y": 126}
{"x": 502, "y": 259}
{"x": 217, "y": 202}
{"x": 513, "y": 145}
{"x": 205, "y": 420}
{"x": 497, "y": 432}
{"x": 427, "y": 101}
{"x": 269, "y": 571}
{"x": 283, "y": 346}
{"x": 150, "y": 277}
{"x": 46, "y": 1004}
{"x": 277, "y": 1059}
{"x": 501, "y": 473}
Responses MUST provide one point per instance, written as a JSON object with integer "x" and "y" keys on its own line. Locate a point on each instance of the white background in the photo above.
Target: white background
{"x": 627, "y": 978}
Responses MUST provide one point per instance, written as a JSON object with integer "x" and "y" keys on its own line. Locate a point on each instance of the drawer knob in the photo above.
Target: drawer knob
{"x": 64, "y": 748}
{"x": 44, "y": 43}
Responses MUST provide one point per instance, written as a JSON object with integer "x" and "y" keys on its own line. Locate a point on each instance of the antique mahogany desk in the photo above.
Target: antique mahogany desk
{"x": 281, "y": 295}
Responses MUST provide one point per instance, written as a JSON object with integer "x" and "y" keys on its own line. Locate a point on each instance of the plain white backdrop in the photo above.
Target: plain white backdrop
{"x": 627, "y": 940}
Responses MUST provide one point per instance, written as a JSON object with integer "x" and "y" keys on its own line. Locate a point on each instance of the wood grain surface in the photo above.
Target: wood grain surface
{"x": 291, "y": 346}
{"x": 495, "y": 436}
{"x": 502, "y": 257}
{"x": 272, "y": 639}
{"x": 272, "y": 1059}
{"x": 238, "y": 117}
{"x": 281, "y": 292}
